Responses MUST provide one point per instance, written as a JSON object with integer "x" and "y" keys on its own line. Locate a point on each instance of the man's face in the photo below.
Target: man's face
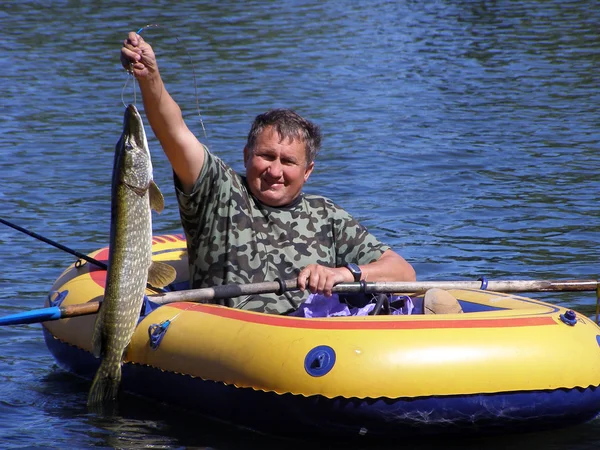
{"x": 276, "y": 171}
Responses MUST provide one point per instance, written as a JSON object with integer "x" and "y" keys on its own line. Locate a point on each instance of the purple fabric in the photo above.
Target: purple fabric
{"x": 317, "y": 305}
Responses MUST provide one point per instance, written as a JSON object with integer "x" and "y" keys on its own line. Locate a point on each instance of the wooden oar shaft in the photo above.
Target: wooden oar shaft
{"x": 81, "y": 309}
{"x": 233, "y": 290}
{"x": 497, "y": 286}
{"x": 205, "y": 295}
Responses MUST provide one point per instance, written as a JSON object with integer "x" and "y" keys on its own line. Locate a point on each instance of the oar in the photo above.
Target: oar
{"x": 50, "y": 313}
{"x": 206, "y": 295}
{"x": 497, "y": 286}
{"x": 55, "y": 244}
{"x": 203, "y": 295}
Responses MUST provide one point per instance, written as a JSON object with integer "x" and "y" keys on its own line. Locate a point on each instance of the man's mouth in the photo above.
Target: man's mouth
{"x": 273, "y": 185}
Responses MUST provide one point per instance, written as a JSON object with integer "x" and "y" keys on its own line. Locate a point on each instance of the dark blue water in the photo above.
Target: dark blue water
{"x": 464, "y": 133}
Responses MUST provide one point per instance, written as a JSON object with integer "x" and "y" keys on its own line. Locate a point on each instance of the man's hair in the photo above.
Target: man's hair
{"x": 289, "y": 125}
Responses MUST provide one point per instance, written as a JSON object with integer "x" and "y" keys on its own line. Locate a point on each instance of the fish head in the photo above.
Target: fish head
{"x": 136, "y": 164}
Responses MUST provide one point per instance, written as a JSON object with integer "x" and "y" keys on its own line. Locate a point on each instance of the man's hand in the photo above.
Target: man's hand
{"x": 389, "y": 267}
{"x": 137, "y": 56}
{"x": 321, "y": 279}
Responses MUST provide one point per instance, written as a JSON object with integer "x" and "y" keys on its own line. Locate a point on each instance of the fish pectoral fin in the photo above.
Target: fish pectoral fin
{"x": 161, "y": 274}
{"x": 157, "y": 201}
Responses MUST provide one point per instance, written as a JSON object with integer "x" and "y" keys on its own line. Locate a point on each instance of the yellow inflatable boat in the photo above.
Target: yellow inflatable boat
{"x": 508, "y": 362}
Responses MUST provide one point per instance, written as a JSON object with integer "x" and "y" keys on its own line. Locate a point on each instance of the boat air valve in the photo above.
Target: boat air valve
{"x": 569, "y": 317}
{"x": 319, "y": 361}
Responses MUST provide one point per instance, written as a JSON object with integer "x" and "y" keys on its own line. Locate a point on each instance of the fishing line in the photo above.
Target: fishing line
{"x": 130, "y": 72}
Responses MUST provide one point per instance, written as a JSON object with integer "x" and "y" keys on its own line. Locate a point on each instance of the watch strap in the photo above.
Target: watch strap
{"x": 355, "y": 271}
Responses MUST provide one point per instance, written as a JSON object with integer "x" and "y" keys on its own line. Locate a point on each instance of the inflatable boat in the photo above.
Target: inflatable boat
{"x": 507, "y": 363}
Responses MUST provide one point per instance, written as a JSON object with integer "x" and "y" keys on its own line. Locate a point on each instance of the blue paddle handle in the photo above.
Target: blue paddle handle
{"x": 34, "y": 316}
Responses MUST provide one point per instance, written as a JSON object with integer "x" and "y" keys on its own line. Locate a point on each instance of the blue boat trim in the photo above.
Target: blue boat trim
{"x": 379, "y": 417}
{"x": 147, "y": 307}
{"x": 471, "y": 307}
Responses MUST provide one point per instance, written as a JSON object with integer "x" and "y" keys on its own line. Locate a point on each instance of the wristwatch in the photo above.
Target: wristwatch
{"x": 355, "y": 271}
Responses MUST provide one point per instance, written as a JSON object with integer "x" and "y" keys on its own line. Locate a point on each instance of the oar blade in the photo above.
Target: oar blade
{"x": 33, "y": 316}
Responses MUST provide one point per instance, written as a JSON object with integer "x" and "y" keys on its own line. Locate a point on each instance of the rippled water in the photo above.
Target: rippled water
{"x": 463, "y": 133}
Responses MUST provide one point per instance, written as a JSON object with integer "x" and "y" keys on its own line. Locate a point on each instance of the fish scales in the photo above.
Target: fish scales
{"x": 130, "y": 264}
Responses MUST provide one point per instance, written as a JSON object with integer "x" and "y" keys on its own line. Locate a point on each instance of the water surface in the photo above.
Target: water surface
{"x": 463, "y": 133}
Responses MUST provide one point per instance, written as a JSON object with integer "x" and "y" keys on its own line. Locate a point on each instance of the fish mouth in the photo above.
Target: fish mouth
{"x": 133, "y": 127}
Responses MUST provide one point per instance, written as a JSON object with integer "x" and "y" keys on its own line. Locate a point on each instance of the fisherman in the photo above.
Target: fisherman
{"x": 259, "y": 227}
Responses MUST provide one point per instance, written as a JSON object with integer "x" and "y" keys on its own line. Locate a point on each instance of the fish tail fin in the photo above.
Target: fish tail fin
{"x": 105, "y": 386}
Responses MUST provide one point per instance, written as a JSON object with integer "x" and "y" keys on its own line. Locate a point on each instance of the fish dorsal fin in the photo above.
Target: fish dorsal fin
{"x": 157, "y": 201}
{"x": 161, "y": 274}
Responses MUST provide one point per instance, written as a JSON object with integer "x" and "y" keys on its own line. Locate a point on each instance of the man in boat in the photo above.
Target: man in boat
{"x": 260, "y": 227}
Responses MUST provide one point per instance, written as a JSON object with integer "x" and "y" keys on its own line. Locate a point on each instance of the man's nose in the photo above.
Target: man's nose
{"x": 275, "y": 168}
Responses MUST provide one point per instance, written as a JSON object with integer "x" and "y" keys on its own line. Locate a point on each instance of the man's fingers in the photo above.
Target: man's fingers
{"x": 312, "y": 281}
{"x": 322, "y": 283}
{"x": 134, "y": 39}
{"x": 303, "y": 278}
{"x": 317, "y": 279}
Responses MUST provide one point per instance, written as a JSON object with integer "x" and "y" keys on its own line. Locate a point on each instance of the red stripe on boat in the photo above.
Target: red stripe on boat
{"x": 341, "y": 324}
{"x": 97, "y": 274}
{"x": 168, "y": 238}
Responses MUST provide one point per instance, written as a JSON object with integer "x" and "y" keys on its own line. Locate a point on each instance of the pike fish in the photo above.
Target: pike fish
{"x": 130, "y": 264}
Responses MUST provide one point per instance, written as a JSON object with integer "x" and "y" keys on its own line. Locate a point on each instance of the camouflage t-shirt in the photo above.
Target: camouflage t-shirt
{"x": 233, "y": 238}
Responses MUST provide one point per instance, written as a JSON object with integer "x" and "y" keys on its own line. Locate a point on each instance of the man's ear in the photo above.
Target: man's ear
{"x": 308, "y": 171}
{"x": 246, "y": 155}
